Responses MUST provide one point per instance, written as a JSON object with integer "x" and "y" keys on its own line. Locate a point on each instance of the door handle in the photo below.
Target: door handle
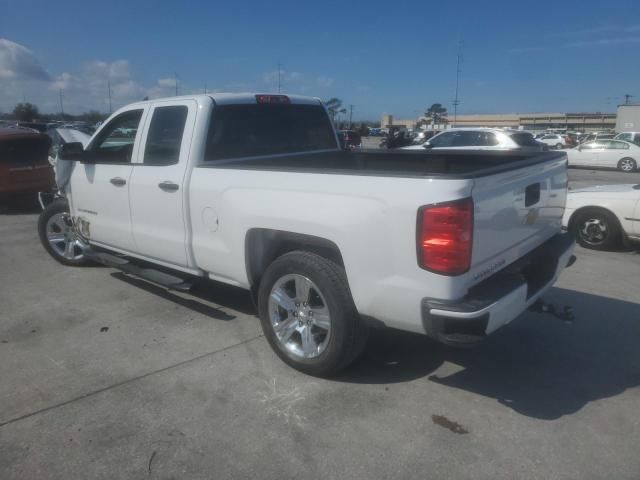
{"x": 118, "y": 182}
{"x": 168, "y": 186}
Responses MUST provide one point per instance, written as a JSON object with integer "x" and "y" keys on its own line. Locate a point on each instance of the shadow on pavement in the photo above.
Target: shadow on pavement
{"x": 537, "y": 366}
{"x": 198, "y": 299}
{"x": 20, "y": 208}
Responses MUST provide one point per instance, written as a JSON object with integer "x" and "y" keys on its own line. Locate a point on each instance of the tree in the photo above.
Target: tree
{"x": 25, "y": 112}
{"x": 437, "y": 114}
{"x": 334, "y": 106}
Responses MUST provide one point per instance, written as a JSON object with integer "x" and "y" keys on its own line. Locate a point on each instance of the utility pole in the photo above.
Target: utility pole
{"x": 109, "y": 93}
{"x": 627, "y": 97}
{"x": 350, "y": 117}
{"x": 61, "y": 105}
{"x": 456, "y": 100}
{"x": 205, "y": 88}
{"x": 176, "y": 77}
{"x": 279, "y": 71}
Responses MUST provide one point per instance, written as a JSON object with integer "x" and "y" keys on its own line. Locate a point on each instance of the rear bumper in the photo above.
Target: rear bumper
{"x": 502, "y": 297}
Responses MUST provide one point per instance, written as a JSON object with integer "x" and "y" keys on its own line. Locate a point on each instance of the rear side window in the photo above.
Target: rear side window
{"x": 443, "y": 140}
{"x": 467, "y": 139}
{"x": 165, "y": 135}
{"x": 524, "y": 139}
{"x": 488, "y": 139}
{"x": 267, "y": 129}
{"x": 613, "y": 145}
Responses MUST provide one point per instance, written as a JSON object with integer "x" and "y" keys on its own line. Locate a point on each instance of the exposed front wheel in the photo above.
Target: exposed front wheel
{"x": 597, "y": 229}
{"x": 627, "y": 165}
{"x": 308, "y": 315}
{"x": 58, "y": 234}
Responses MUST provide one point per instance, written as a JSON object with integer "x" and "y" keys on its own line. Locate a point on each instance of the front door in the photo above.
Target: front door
{"x": 99, "y": 187}
{"x": 157, "y": 183}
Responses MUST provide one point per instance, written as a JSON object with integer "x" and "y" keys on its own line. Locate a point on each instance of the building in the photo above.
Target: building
{"x": 388, "y": 121}
{"x": 628, "y": 118}
{"x": 586, "y": 122}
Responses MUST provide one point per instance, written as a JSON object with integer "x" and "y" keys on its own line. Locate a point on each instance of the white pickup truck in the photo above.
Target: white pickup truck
{"x": 255, "y": 191}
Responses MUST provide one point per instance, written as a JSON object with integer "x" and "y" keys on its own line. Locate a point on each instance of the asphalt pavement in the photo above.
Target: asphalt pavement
{"x": 106, "y": 376}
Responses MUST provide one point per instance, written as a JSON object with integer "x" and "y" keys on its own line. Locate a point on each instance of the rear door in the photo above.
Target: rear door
{"x": 158, "y": 179}
{"x": 611, "y": 153}
{"x": 99, "y": 187}
{"x": 515, "y": 212}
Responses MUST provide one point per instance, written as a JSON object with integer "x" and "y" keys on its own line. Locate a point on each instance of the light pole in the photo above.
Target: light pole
{"x": 456, "y": 100}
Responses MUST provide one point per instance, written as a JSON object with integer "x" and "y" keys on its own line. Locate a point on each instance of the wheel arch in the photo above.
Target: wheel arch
{"x": 263, "y": 246}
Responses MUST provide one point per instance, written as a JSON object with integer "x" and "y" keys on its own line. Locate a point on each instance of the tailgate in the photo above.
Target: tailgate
{"x": 514, "y": 212}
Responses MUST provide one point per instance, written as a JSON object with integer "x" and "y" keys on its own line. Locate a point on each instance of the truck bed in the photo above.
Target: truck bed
{"x": 436, "y": 164}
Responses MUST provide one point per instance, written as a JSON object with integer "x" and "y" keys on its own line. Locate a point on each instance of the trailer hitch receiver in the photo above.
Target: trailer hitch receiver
{"x": 564, "y": 313}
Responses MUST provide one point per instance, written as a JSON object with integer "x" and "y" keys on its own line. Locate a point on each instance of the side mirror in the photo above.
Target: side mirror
{"x": 73, "y": 152}
{"x": 427, "y": 145}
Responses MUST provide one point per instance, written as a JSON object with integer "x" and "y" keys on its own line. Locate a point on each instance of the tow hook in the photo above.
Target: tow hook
{"x": 564, "y": 313}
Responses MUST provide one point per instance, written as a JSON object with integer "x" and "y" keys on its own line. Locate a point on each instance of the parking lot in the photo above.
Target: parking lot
{"x": 106, "y": 376}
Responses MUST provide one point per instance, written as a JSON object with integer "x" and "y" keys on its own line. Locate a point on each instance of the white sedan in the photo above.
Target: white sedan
{"x": 624, "y": 156}
{"x": 604, "y": 216}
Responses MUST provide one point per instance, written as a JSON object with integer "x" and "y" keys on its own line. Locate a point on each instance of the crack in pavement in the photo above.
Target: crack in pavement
{"x": 125, "y": 382}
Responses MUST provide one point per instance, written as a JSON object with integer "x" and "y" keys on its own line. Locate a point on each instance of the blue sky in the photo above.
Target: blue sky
{"x": 392, "y": 57}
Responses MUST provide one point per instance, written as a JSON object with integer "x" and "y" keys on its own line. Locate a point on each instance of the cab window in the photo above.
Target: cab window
{"x": 165, "y": 135}
{"x": 114, "y": 143}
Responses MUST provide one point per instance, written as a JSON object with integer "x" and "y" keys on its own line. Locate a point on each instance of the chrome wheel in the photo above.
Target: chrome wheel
{"x": 627, "y": 165}
{"x": 299, "y": 316}
{"x": 63, "y": 239}
{"x": 594, "y": 231}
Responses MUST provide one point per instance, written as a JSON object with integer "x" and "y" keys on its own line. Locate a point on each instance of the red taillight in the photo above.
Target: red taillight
{"x": 445, "y": 236}
{"x": 272, "y": 99}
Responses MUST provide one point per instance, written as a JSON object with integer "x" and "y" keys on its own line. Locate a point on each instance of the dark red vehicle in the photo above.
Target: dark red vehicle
{"x": 24, "y": 164}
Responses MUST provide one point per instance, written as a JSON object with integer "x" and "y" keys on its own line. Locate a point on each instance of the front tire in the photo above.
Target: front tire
{"x": 58, "y": 234}
{"x": 627, "y": 165}
{"x": 597, "y": 229}
{"x": 559, "y": 146}
{"x": 308, "y": 315}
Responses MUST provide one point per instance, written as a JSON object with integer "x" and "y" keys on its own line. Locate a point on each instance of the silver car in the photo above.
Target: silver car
{"x": 624, "y": 156}
{"x": 482, "y": 139}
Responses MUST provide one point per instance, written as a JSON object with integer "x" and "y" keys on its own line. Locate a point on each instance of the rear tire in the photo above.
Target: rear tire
{"x": 597, "y": 229}
{"x": 627, "y": 165}
{"x": 308, "y": 315}
{"x": 559, "y": 146}
{"x": 58, "y": 236}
